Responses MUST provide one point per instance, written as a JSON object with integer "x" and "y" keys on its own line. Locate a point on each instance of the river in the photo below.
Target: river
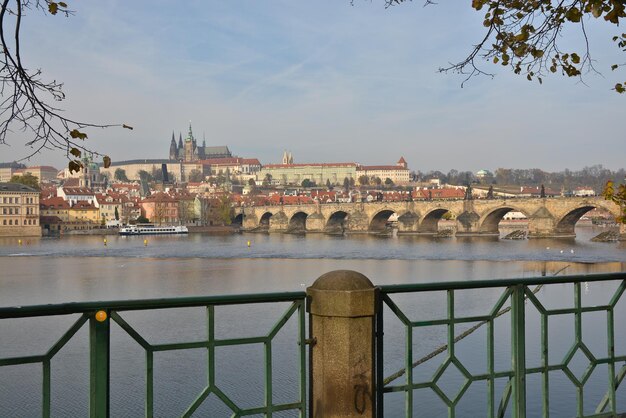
{"x": 83, "y": 268}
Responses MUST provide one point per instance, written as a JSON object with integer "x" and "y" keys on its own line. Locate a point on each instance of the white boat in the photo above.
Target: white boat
{"x": 149, "y": 229}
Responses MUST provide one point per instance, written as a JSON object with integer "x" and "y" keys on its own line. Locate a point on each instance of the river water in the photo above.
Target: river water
{"x": 82, "y": 268}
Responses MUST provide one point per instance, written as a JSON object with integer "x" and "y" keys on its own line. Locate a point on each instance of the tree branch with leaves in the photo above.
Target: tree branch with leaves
{"x": 618, "y": 196}
{"x": 27, "y": 101}
{"x": 525, "y": 36}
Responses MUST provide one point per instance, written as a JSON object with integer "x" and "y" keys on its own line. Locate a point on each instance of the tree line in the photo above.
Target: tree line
{"x": 595, "y": 177}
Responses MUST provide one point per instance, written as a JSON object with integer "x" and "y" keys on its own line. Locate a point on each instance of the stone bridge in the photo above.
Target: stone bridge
{"x": 547, "y": 217}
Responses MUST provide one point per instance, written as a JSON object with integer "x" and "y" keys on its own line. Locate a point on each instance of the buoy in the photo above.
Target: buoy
{"x": 561, "y": 251}
{"x": 19, "y": 241}
{"x": 248, "y": 243}
{"x": 145, "y": 242}
{"x": 547, "y": 248}
{"x": 105, "y": 242}
{"x": 571, "y": 251}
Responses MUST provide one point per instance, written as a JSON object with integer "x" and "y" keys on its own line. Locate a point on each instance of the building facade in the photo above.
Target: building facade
{"x": 319, "y": 173}
{"x": 132, "y": 168}
{"x": 19, "y": 211}
{"x": 44, "y": 173}
{"x": 398, "y": 173}
{"x": 7, "y": 170}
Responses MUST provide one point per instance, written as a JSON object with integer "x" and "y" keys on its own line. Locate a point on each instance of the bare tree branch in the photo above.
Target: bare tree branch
{"x": 26, "y": 98}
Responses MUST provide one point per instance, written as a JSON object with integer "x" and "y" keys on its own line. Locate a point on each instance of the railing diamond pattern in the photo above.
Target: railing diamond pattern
{"x": 518, "y": 295}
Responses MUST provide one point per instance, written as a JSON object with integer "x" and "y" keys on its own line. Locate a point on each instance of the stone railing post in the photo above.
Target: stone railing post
{"x": 342, "y": 305}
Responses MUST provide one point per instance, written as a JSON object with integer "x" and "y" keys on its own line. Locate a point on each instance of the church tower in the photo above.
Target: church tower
{"x": 190, "y": 143}
{"x": 173, "y": 149}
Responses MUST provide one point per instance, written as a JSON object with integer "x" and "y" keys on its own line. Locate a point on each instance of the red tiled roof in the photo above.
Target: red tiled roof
{"x": 71, "y": 182}
{"x": 311, "y": 165}
{"x": 54, "y": 203}
{"x": 81, "y": 204}
{"x": 217, "y": 161}
{"x": 250, "y": 161}
{"x": 382, "y": 167}
{"x": 447, "y": 193}
{"x": 81, "y": 191}
{"x": 42, "y": 167}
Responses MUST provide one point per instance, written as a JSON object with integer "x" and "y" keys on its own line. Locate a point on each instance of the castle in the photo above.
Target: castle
{"x": 189, "y": 151}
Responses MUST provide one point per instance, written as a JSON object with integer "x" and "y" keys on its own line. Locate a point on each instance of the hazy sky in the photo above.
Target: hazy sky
{"x": 329, "y": 81}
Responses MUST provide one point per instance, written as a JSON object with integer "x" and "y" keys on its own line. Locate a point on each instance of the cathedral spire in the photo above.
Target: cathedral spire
{"x": 180, "y": 140}
{"x": 173, "y": 149}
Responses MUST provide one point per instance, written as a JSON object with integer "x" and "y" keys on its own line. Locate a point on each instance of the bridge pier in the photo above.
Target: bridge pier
{"x": 250, "y": 222}
{"x": 358, "y": 222}
{"x": 279, "y": 222}
{"x": 468, "y": 224}
{"x": 315, "y": 223}
{"x": 408, "y": 223}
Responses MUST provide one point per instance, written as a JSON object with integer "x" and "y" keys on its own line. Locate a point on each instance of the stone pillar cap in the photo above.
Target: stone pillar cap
{"x": 342, "y": 293}
{"x": 342, "y": 280}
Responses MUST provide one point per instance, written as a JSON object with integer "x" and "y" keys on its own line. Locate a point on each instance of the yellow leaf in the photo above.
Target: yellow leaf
{"x": 107, "y": 161}
{"x": 53, "y": 7}
{"x": 75, "y": 152}
{"x": 76, "y": 134}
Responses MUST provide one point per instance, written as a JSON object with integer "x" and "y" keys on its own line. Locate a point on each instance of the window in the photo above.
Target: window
{"x": 10, "y": 221}
{"x": 10, "y": 211}
{"x": 4, "y": 222}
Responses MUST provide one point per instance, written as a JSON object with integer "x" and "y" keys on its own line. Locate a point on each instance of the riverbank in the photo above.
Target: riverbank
{"x": 215, "y": 230}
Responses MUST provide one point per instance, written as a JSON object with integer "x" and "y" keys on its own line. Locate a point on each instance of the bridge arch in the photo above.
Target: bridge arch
{"x": 238, "y": 220}
{"x": 336, "y": 222}
{"x": 430, "y": 223}
{"x": 297, "y": 222}
{"x": 264, "y": 222}
{"x": 488, "y": 224}
{"x": 567, "y": 223}
{"x": 378, "y": 223}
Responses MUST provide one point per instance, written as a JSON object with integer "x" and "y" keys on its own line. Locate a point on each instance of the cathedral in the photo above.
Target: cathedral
{"x": 188, "y": 150}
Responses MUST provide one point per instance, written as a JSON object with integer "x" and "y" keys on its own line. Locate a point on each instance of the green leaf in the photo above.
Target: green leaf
{"x": 575, "y": 58}
{"x": 63, "y": 4}
{"x": 614, "y": 67}
{"x": 107, "y": 161}
{"x": 53, "y": 7}
{"x": 75, "y": 152}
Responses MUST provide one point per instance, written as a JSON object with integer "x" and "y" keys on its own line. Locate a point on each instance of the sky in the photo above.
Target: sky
{"x": 327, "y": 80}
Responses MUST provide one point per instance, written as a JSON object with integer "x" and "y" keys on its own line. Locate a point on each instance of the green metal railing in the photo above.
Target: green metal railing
{"x": 99, "y": 316}
{"x": 516, "y": 297}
